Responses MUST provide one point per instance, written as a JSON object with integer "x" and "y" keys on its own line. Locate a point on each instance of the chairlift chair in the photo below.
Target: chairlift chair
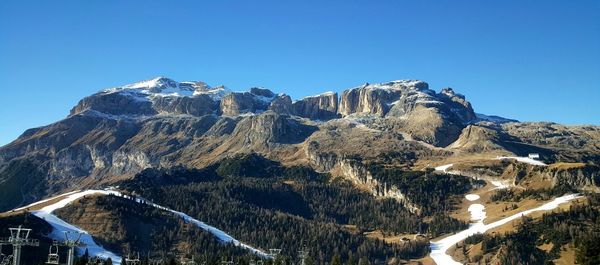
{"x": 53, "y": 257}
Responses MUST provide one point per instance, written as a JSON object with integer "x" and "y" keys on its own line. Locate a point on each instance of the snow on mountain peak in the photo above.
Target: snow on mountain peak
{"x": 324, "y": 94}
{"x": 152, "y": 84}
{"x": 395, "y": 85}
{"x": 214, "y": 92}
{"x": 166, "y": 87}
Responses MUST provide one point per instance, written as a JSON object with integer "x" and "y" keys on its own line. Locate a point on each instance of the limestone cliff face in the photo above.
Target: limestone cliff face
{"x": 282, "y": 104}
{"x": 322, "y": 162}
{"x": 366, "y": 100}
{"x": 271, "y": 127}
{"x": 197, "y": 106}
{"x": 115, "y": 104}
{"x": 360, "y": 175}
{"x": 378, "y": 99}
{"x": 584, "y": 177}
{"x": 320, "y": 107}
{"x": 579, "y": 176}
{"x": 238, "y": 103}
{"x": 435, "y": 118}
{"x": 457, "y": 104}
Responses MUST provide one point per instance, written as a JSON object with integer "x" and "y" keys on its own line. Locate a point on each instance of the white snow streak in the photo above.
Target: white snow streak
{"x": 522, "y": 160}
{"x": 444, "y": 168}
{"x": 59, "y": 226}
{"x": 439, "y": 248}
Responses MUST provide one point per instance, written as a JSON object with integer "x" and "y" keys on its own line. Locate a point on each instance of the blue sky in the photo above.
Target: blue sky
{"x": 529, "y": 60}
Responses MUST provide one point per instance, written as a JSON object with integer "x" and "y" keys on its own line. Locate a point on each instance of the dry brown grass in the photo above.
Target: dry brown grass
{"x": 546, "y": 247}
{"x": 459, "y": 159}
{"x": 565, "y": 166}
{"x": 566, "y": 256}
{"x": 480, "y": 163}
{"x": 424, "y": 261}
{"x": 391, "y": 239}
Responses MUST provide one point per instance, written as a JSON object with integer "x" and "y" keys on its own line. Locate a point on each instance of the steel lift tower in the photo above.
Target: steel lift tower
{"x": 72, "y": 240}
{"x": 19, "y": 237}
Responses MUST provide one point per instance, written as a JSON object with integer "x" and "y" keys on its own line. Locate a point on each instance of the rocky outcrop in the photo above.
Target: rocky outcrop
{"x": 579, "y": 175}
{"x": 319, "y": 107}
{"x": 476, "y": 139}
{"x": 196, "y": 106}
{"x": 271, "y": 127}
{"x": 360, "y": 175}
{"x": 458, "y": 105}
{"x": 282, "y": 104}
{"x": 321, "y": 162}
{"x": 262, "y": 92}
{"x": 236, "y": 103}
{"x": 115, "y": 104}
{"x": 434, "y": 118}
{"x": 379, "y": 98}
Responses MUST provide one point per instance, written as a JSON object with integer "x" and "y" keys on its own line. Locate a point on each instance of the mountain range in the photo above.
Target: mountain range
{"x": 370, "y": 137}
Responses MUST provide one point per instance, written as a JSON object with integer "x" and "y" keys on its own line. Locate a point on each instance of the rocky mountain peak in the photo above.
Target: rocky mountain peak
{"x": 448, "y": 91}
{"x": 406, "y": 84}
{"x": 260, "y": 91}
{"x": 155, "y": 84}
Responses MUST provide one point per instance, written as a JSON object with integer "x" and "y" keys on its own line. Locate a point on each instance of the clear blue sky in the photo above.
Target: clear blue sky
{"x": 529, "y": 60}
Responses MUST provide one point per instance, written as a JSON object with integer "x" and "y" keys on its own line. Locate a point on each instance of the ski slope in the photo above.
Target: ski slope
{"x": 439, "y": 248}
{"x": 60, "y": 226}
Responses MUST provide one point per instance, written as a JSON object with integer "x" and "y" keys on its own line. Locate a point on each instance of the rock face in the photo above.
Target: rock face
{"x": 400, "y": 98}
{"x": 585, "y": 177}
{"x": 319, "y": 107}
{"x": 360, "y": 175}
{"x": 115, "y": 104}
{"x": 457, "y": 104}
{"x": 282, "y": 104}
{"x": 196, "y": 106}
{"x": 435, "y": 118}
{"x": 378, "y": 99}
{"x": 246, "y": 102}
{"x": 271, "y": 127}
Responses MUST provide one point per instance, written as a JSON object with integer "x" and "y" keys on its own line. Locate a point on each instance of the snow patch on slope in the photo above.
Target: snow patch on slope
{"x": 444, "y": 168}
{"x": 472, "y": 197}
{"x": 59, "y": 225}
{"x": 324, "y": 94}
{"x": 439, "y": 248}
{"x": 522, "y": 160}
{"x": 165, "y": 87}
